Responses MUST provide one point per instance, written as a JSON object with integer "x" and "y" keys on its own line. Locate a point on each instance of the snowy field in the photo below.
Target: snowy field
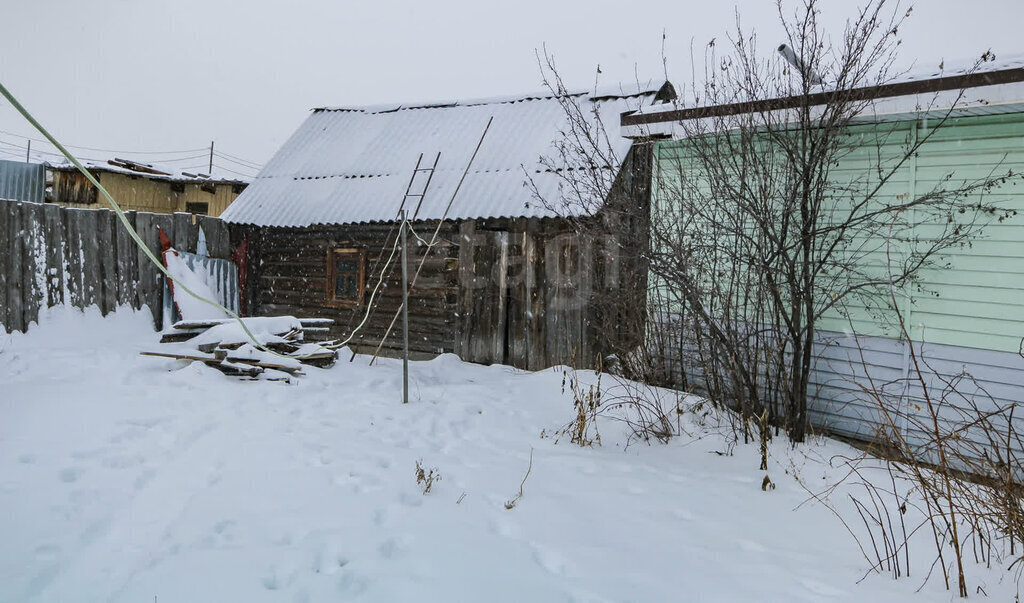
{"x": 131, "y": 479}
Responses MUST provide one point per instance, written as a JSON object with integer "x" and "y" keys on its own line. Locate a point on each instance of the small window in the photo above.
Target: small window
{"x": 346, "y": 277}
{"x": 198, "y": 208}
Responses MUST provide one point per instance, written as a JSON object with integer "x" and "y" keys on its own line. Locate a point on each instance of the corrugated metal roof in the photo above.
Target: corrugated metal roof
{"x": 350, "y": 165}
{"x": 20, "y": 181}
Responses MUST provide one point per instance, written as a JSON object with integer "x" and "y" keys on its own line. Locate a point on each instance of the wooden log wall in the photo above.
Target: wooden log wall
{"x": 519, "y": 291}
{"x": 528, "y": 292}
{"x": 290, "y": 276}
{"x": 84, "y": 257}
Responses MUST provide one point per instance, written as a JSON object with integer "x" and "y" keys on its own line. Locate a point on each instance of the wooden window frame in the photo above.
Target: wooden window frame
{"x": 194, "y": 209}
{"x": 345, "y": 302}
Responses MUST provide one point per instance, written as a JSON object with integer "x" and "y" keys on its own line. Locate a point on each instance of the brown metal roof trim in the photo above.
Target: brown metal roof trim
{"x": 940, "y": 84}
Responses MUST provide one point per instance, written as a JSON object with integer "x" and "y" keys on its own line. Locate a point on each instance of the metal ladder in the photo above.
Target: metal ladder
{"x": 408, "y": 189}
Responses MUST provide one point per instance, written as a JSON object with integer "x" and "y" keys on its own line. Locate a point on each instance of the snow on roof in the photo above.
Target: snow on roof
{"x": 123, "y": 166}
{"x": 989, "y": 85}
{"x": 946, "y": 68}
{"x": 354, "y": 164}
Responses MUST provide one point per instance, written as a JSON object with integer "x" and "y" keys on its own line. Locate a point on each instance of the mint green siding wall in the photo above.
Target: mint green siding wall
{"x": 968, "y": 311}
{"x": 978, "y": 300}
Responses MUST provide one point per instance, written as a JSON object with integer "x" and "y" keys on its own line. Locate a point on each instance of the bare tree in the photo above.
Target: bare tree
{"x": 784, "y": 202}
{"x": 759, "y": 226}
{"x": 605, "y": 196}
{"x": 761, "y": 229}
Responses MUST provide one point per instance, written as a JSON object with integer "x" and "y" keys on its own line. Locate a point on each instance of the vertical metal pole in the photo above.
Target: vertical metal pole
{"x": 28, "y": 151}
{"x": 405, "y": 312}
{"x": 210, "y": 171}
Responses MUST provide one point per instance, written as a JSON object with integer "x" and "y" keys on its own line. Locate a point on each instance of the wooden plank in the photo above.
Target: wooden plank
{"x": 586, "y": 329}
{"x": 518, "y": 295}
{"x": 186, "y": 233}
{"x": 92, "y": 272}
{"x": 107, "y": 257}
{"x": 5, "y": 210}
{"x": 214, "y": 362}
{"x": 294, "y": 370}
{"x": 127, "y": 263}
{"x": 218, "y": 239}
{"x": 499, "y": 345}
{"x": 206, "y": 324}
{"x": 15, "y": 266}
{"x": 484, "y": 320}
{"x": 536, "y": 348}
{"x": 464, "y": 323}
{"x": 34, "y": 262}
{"x": 176, "y": 337}
{"x": 198, "y": 358}
{"x": 251, "y": 293}
{"x": 562, "y": 315}
{"x": 53, "y": 227}
{"x": 72, "y": 253}
{"x": 151, "y": 292}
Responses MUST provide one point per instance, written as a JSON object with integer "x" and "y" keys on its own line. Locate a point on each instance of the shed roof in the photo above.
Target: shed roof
{"x": 145, "y": 170}
{"x": 354, "y": 164}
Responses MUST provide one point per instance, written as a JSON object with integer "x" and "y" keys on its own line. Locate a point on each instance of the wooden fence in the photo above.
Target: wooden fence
{"x": 85, "y": 257}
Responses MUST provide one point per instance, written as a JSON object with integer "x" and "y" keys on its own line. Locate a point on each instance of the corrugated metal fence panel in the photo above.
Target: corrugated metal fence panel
{"x": 20, "y": 181}
{"x": 220, "y": 275}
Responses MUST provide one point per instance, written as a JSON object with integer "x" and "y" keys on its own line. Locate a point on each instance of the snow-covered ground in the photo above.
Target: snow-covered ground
{"x": 128, "y": 478}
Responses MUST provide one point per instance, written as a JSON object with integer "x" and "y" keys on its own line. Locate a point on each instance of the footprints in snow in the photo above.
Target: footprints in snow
{"x": 328, "y": 562}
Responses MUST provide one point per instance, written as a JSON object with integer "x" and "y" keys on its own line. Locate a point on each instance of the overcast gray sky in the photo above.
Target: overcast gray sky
{"x": 134, "y": 75}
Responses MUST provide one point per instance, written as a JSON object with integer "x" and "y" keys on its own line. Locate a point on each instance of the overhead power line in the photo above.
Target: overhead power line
{"x": 189, "y": 158}
{"x": 121, "y": 151}
{"x": 243, "y": 167}
{"x": 237, "y": 159}
{"x": 253, "y": 166}
{"x": 220, "y": 167}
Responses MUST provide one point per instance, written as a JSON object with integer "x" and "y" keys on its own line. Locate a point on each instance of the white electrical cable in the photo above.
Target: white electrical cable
{"x": 369, "y": 304}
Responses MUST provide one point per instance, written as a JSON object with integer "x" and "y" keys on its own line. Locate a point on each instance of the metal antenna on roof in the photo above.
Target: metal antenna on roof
{"x": 798, "y": 64}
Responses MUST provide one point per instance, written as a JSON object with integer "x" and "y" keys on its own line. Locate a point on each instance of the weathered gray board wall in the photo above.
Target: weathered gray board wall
{"x": 533, "y": 293}
{"x": 85, "y": 257}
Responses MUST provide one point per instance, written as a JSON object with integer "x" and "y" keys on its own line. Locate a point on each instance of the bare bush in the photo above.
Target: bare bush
{"x": 950, "y": 452}
{"x": 512, "y": 502}
{"x": 425, "y": 478}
